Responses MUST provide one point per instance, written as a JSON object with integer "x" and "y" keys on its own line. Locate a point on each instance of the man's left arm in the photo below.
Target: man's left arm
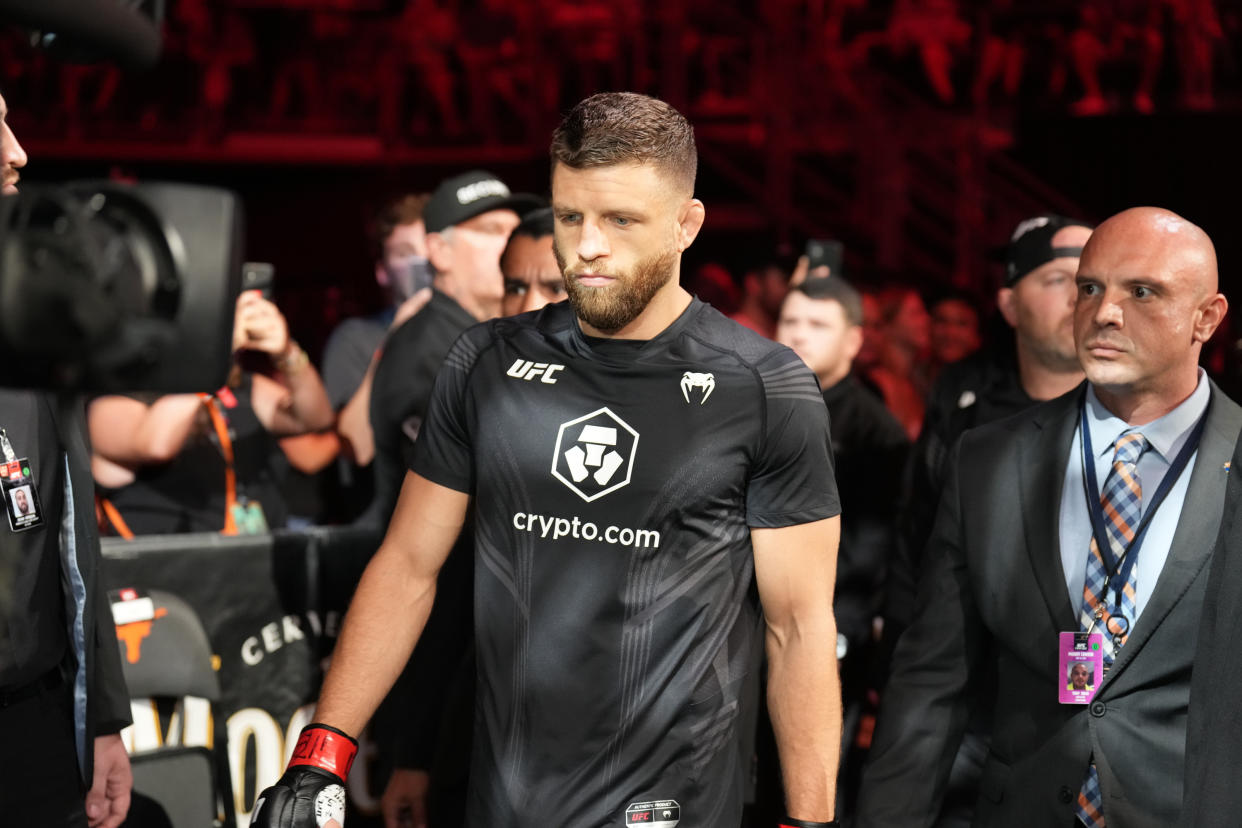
{"x": 795, "y": 567}
{"x": 107, "y": 801}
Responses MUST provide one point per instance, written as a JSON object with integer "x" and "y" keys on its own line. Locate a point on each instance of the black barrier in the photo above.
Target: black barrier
{"x": 271, "y": 606}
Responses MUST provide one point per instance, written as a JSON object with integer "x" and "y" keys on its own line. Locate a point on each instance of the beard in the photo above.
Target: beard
{"x": 609, "y": 309}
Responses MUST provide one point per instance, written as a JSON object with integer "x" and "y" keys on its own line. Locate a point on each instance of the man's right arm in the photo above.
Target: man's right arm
{"x": 392, "y": 602}
{"x": 385, "y": 618}
{"x": 924, "y": 710}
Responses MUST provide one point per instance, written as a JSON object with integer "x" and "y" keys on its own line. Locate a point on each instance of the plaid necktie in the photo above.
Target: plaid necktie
{"x": 1122, "y": 500}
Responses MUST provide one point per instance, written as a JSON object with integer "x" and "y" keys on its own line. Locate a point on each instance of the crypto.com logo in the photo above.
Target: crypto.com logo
{"x": 595, "y": 454}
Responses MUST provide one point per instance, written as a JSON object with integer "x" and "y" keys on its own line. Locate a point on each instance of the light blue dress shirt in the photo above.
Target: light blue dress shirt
{"x": 1165, "y": 438}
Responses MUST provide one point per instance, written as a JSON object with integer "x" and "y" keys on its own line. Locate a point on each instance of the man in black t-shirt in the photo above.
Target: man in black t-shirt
{"x": 468, "y": 219}
{"x": 821, "y": 320}
{"x": 647, "y": 475}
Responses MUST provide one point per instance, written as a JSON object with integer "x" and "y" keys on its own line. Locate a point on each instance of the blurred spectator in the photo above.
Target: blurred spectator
{"x": 821, "y": 320}
{"x": 934, "y": 29}
{"x": 1112, "y": 31}
{"x": 954, "y": 330}
{"x": 210, "y": 462}
{"x": 714, "y": 285}
{"x": 873, "y": 333}
{"x": 427, "y": 34}
{"x": 532, "y": 276}
{"x": 468, "y": 221}
{"x": 402, "y": 270}
{"x": 763, "y": 291}
{"x": 589, "y": 33}
{"x": 1198, "y": 31}
{"x": 216, "y": 41}
{"x": 498, "y": 70}
{"x": 403, "y": 273}
{"x": 1002, "y": 51}
{"x": 1037, "y": 300}
{"x": 900, "y": 371}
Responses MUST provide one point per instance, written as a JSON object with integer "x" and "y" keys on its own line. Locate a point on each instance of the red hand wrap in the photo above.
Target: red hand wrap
{"x": 326, "y": 748}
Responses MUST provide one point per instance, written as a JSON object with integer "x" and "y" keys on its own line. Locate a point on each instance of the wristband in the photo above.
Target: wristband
{"x": 790, "y": 822}
{"x": 294, "y": 359}
{"x": 323, "y": 746}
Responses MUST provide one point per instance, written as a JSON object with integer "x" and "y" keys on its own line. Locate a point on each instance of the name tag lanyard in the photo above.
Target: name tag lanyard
{"x": 1119, "y": 569}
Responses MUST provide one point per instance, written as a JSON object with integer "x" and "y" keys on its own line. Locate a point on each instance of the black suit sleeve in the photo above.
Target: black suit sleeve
{"x": 1212, "y": 796}
{"x": 109, "y": 695}
{"x": 924, "y": 710}
{"x": 921, "y": 488}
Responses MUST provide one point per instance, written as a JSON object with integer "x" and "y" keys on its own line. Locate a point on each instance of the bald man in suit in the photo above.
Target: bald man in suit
{"x": 1010, "y": 562}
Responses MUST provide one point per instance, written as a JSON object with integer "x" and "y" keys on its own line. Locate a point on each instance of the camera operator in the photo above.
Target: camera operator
{"x": 63, "y": 700}
{"x": 211, "y": 462}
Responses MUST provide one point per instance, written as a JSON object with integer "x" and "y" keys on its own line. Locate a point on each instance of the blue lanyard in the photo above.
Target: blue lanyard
{"x": 1120, "y": 569}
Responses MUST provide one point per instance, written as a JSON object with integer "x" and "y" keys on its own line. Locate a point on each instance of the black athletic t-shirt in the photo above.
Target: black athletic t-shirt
{"x": 616, "y": 615}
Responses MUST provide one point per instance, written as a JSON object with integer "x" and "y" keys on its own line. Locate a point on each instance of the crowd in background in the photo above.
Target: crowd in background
{"x": 488, "y": 70}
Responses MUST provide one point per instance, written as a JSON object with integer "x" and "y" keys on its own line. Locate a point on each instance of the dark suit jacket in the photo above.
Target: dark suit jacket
{"x": 1213, "y": 797}
{"x": 99, "y": 684}
{"x": 993, "y": 600}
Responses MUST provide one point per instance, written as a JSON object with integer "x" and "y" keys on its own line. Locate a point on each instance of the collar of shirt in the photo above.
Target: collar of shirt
{"x": 1165, "y": 435}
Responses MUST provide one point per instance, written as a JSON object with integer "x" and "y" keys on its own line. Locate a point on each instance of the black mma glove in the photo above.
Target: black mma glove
{"x": 312, "y": 791}
{"x": 790, "y": 822}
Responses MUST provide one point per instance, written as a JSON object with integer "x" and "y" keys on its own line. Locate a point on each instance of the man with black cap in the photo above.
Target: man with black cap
{"x": 1037, "y": 300}
{"x": 468, "y": 220}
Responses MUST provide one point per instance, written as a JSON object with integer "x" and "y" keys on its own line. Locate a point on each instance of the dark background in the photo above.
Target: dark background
{"x": 815, "y": 118}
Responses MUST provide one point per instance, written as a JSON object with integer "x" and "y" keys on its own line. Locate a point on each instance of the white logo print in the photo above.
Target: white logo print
{"x": 526, "y": 370}
{"x": 595, "y": 454}
{"x": 481, "y": 189}
{"x": 691, "y": 380}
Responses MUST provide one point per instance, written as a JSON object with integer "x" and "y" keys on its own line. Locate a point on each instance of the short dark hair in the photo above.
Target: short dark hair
{"x": 838, "y": 290}
{"x": 534, "y": 225}
{"x": 407, "y": 209}
{"x": 620, "y": 127}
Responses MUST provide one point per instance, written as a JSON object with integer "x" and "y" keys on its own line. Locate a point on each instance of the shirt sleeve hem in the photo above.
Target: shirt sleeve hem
{"x": 783, "y": 519}
{"x": 441, "y": 477}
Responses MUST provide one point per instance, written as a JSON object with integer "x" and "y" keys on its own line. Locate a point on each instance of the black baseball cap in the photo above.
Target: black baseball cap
{"x": 471, "y": 194}
{"x": 1031, "y": 245}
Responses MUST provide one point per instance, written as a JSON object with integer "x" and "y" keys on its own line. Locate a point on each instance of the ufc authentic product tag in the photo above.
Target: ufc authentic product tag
{"x": 1081, "y": 660}
{"x": 21, "y": 496}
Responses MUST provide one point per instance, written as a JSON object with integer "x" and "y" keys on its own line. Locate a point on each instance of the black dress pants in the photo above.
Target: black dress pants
{"x": 40, "y": 784}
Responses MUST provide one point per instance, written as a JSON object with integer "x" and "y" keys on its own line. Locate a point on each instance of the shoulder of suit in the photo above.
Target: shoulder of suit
{"x": 996, "y": 435}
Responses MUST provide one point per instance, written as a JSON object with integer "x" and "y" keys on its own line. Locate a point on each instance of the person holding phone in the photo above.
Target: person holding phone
{"x": 210, "y": 462}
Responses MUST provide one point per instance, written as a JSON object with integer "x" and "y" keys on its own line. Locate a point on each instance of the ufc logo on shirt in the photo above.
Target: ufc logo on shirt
{"x": 524, "y": 369}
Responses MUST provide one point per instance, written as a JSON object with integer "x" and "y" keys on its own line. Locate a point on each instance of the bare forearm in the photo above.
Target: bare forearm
{"x": 169, "y": 423}
{"x": 354, "y": 422}
{"x": 308, "y": 400}
{"x": 132, "y": 434}
{"x": 804, "y": 701}
{"x": 385, "y": 619}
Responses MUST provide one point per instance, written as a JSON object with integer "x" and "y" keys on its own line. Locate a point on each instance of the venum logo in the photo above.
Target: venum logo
{"x": 524, "y": 369}
{"x": 704, "y": 382}
{"x": 595, "y": 454}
